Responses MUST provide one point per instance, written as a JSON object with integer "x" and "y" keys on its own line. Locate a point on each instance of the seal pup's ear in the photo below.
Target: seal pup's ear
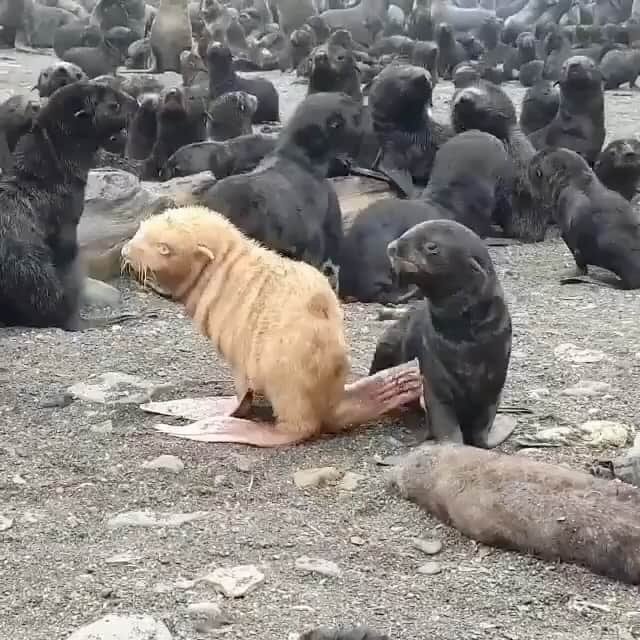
{"x": 205, "y": 251}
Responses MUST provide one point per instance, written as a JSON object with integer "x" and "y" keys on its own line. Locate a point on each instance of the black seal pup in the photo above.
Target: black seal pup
{"x": 598, "y": 225}
{"x": 461, "y": 334}
{"x": 333, "y": 67}
{"x": 355, "y": 633}
{"x": 230, "y": 115}
{"x": 40, "y": 279}
{"x": 451, "y": 52}
{"x": 103, "y": 59}
{"x": 179, "y": 122}
{"x": 619, "y": 65}
{"x": 58, "y": 75}
{"x": 579, "y": 121}
{"x": 17, "y": 115}
{"x": 539, "y": 106}
{"x": 76, "y": 34}
{"x": 143, "y": 128}
{"x": 286, "y": 202}
{"x": 40, "y": 23}
{"x": 487, "y": 107}
{"x": 224, "y": 79}
{"x": 400, "y": 102}
{"x": 170, "y": 35}
{"x": 238, "y": 155}
{"x": 618, "y": 166}
{"x": 107, "y": 14}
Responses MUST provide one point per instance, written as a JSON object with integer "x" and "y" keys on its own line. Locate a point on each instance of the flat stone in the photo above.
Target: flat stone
{"x": 571, "y": 353}
{"x": 357, "y": 540}
{"x": 235, "y": 582}
{"x": 242, "y": 463}
{"x": 115, "y": 627}
{"x": 350, "y": 481}
{"x": 169, "y": 463}
{"x": 117, "y": 388}
{"x": 207, "y": 616}
{"x": 430, "y": 568}
{"x": 429, "y": 547}
{"x": 587, "y": 388}
{"x": 605, "y": 433}
{"x": 5, "y": 523}
{"x": 102, "y": 428}
{"x": 123, "y": 558}
{"x": 153, "y": 519}
{"x": 318, "y": 565}
{"x": 306, "y": 478}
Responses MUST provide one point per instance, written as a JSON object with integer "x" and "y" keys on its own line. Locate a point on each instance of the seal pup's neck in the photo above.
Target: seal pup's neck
{"x": 307, "y": 147}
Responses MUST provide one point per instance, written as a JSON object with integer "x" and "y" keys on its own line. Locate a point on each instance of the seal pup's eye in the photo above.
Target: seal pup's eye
{"x": 538, "y": 173}
{"x": 115, "y": 107}
{"x": 163, "y": 249}
{"x": 432, "y": 248}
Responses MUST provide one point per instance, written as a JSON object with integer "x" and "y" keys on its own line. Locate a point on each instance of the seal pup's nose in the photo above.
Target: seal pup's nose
{"x": 392, "y": 249}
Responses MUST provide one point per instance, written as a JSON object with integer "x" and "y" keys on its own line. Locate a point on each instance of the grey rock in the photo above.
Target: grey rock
{"x": 571, "y": 353}
{"x": 430, "y": 568}
{"x": 169, "y": 463}
{"x": 306, "y": 478}
{"x": 587, "y": 388}
{"x": 123, "y": 558}
{"x": 5, "y": 523}
{"x": 318, "y": 565}
{"x": 207, "y": 616}
{"x": 117, "y": 388}
{"x": 102, "y": 428}
{"x": 115, "y": 627}
{"x": 153, "y": 519}
{"x": 428, "y": 547}
{"x": 242, "y": 463}
{"x": 235, "y": 582}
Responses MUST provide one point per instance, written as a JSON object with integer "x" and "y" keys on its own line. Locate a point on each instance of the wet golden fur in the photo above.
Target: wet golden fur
{"x": 276, "y": 322}
{"x": 529, "y": 506}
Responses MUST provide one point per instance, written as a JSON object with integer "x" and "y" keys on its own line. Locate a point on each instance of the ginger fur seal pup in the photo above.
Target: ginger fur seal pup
{"x": 276, "y": 321}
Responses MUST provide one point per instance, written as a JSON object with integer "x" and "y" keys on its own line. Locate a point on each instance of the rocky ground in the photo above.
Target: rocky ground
{"x": 69, "y": 471}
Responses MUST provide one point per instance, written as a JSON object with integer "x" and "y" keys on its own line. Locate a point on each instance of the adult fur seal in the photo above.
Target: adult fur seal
{"x": 333, "y": 66}
{"x": 461, "y": 335}
{"x": 487, "y": 107}
{"x": 579, "y": 123}
{"x": 515, "y": 502}
{"x": 598, "y": 225}
{"x": 238, "y": 155}
{"x": 230, "y": 115}
{"x": 170, "y": 34}
{"x": 40, "y": 280}
{"x": 287, "y": 203}
{"x": 400, "y": 100}
{"x": 223, "y": 79}
{"x": 57, "y": 75}
{"x": 276, "y": 321}
{"x": 618, "y": 166}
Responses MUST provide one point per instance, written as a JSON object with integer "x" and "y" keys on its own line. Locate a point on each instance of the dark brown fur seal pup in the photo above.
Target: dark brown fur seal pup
{"x": 618, "y": 167}
{"x": 11, "y": 17}
{"x": 619, "y": 65}
{"x": 487, "y": 107}
{"x": 450, "y": 51}
{"x": 223, "y": 79}
{"x": 333, "y": 67}
{"x": 58, "y": 75}
{"x": 275, "y": 320}
{"x": 579, "y": 122}
{"x": 461, "y": 334}
{"x": 287, "y": 203}
{"x": 539, "y": 107}
{"x": 76, "y": 34}
{"x": 598, "y": 225}
{"x": 17, "y": 115}
{"x": 230, "y": 115}
{"x": 292, "y": 14}
{"x": 238, "y": 155}
{"x": 518, "y": 503}
{"x": 179, "y": 122}
{"x": 97, "y": 61}
{"x": 170, "y": 35}
{"x": 41, "y": 22}
{"x": 400, "y": 101}
{"x": 143, "y": 128}
{"x": 357, "y": 633}
{"x": 40, "y": 282}
{"x": 107, "y": 14}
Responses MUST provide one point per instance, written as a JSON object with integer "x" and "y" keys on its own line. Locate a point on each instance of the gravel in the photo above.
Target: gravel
{"x": 71, "y": 468}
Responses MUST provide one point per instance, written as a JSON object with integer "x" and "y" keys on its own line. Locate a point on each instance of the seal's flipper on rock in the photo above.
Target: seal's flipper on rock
{"x": 200, "y": 408}
{"x": 232, "y": 430}
{"x": 370, "y": 398}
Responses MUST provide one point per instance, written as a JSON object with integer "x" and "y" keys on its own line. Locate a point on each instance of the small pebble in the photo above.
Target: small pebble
{"x": 306, "y": 478}
{"x": 318, "y": 565}
{"x": 242, "y": 463}
{"x": 235, "y": 582}
{"x": 357, "y": 540}
{"x": 5, "y": 523}
{"x": 429, "y": 547}
{"x": 430, "y": 568}
{"x": 169, "y": 463}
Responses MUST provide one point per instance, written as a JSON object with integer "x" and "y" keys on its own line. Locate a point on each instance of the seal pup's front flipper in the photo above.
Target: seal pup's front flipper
{"x": 232, "y": 430}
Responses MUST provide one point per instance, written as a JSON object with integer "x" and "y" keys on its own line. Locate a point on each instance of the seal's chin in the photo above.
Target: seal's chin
{"x": 400, "y": 265}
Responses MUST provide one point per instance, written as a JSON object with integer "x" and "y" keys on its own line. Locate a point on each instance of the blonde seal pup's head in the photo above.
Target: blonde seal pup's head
{"x": 170, "y": 250}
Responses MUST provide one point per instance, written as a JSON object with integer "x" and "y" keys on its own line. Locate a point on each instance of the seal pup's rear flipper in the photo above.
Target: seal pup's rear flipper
{"x": 201, "y": 408}
{"x": 232, "y": 430}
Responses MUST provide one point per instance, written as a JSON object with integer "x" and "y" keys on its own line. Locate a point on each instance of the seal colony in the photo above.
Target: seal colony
{"x": 264, "y": 255}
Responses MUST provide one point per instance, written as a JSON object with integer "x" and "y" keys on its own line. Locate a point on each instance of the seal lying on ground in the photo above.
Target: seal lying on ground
{"x": 598, "y": 225}
{"x": 618, "y": 166}
{"x": 223, "y": 79}
{"x": 619, "y": 66}
{"x": 518, "y": 503}
{"x": 579, "y": 121}
{"x": 276, "y": 321}
{"x": 461, "y": 334}
{"x": 287, "y": 202}
{"x": 40, "y": 279}
{"x": 238, "y": 155}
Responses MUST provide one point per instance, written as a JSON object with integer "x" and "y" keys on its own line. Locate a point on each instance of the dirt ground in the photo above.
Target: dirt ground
{"x": 64, "y": 471}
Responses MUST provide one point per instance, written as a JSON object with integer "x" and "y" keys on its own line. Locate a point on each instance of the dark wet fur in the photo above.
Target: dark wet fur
{"x": 618, "y": 166}
{"x": 539, "y": 107}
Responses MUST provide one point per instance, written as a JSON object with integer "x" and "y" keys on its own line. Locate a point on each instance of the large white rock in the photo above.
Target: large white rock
{"x": 114, "y": 627}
